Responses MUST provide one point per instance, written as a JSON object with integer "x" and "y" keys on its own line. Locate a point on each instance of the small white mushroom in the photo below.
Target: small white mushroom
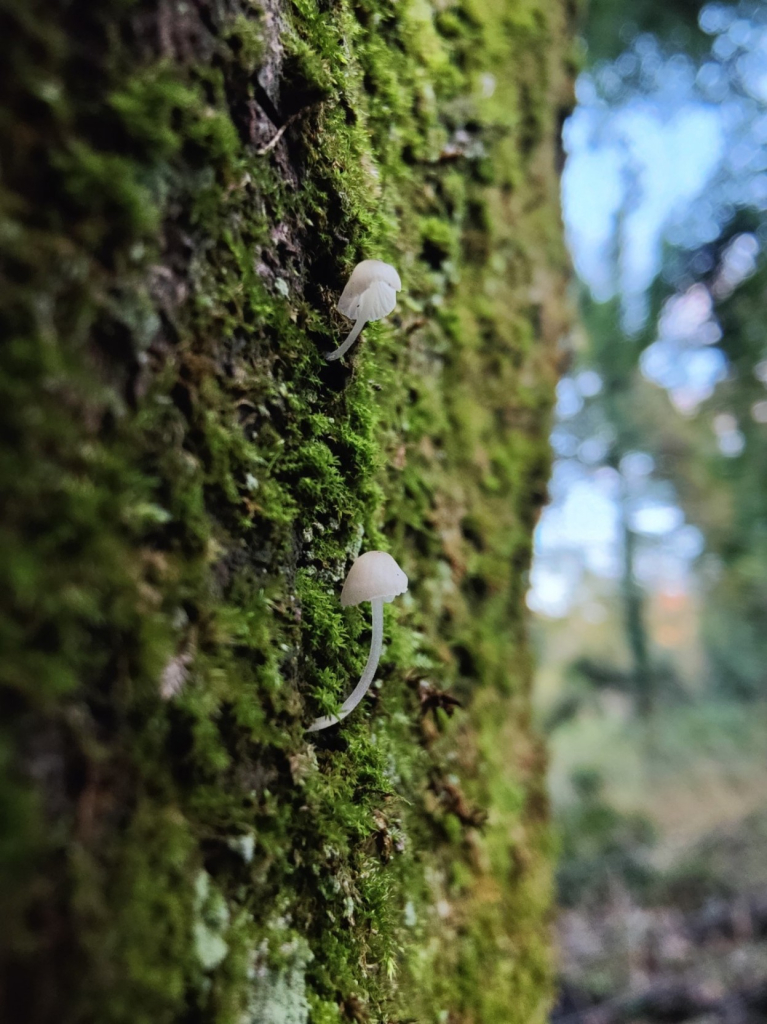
{"x": 370, "y": 294}
{"x": 377, "y": 578}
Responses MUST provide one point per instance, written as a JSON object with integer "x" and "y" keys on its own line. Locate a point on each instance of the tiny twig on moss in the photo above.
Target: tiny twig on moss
{"x": 281, "y": 131}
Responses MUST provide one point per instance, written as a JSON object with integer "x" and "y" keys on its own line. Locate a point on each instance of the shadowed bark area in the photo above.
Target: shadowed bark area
{"x": 185, "y": 482}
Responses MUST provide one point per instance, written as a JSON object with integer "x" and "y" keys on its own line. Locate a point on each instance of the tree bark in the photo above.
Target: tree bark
{"x": 185, "y": 482}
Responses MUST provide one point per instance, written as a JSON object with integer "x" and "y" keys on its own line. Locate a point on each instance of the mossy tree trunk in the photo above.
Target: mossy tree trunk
{"x": 185, "y": 481}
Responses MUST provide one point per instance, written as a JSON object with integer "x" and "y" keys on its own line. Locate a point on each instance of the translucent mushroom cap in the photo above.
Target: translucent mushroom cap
{"x": 371, "y": 291}
{"x": 374, "y": 574}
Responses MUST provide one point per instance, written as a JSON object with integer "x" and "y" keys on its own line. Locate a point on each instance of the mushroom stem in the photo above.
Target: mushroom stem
{"x": 344, "y": 347}
{"x": 368, "y": 673}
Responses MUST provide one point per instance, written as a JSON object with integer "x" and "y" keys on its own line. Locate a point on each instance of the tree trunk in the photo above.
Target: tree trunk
{"x": 185, "y": 481}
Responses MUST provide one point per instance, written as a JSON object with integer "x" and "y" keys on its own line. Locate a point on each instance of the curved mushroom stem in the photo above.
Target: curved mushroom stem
{"x": 344, "y": 347}
{"x": 368, "y": 673}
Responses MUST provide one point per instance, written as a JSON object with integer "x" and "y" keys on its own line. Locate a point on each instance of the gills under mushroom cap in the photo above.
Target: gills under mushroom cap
{"x": 370, "y": 294}
{"x": 374, "y": 575}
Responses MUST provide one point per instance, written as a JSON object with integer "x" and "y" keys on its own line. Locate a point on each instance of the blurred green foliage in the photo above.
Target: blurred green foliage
{"x": 601, "y": 848}
{"x": 608, "y": 26}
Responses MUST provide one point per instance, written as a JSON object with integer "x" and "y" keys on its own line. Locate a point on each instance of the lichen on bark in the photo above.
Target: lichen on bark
{"x": 185, "y": 481}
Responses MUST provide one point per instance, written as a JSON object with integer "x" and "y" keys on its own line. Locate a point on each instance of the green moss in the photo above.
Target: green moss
{"x": 186, "y": 481}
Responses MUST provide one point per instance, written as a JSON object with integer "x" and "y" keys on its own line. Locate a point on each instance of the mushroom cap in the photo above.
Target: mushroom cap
{"x": 374, "y": 574}
{"x": 366, "y": 274}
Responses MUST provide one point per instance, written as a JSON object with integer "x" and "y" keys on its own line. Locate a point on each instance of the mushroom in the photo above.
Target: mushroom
{"x": 377, "y": 578}
{"x": 370, "y": 294}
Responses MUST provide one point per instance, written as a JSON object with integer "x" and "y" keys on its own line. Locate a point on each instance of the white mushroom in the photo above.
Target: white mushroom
{"x": 370, "y": 294}
{"x": 377, "y": 578}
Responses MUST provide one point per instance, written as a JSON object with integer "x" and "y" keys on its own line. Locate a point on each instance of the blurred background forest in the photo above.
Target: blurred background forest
{"x": 649, "y": 585}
